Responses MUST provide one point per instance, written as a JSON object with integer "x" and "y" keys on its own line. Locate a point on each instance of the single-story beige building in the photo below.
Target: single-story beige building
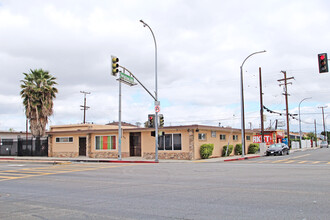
{"x": 177, "y": 142}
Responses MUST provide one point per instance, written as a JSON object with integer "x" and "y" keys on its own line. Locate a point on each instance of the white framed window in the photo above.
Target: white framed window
{"x": 248, "y": 138}
{"x": 222, "y": 137}
{"x": 235, "y": 137}
{"x": 170, "y": 142}
{"x": 64, "y": 139}
{"x": 213, "y": 134}
{"x": 202, "y": 136}
{"x": 105, "y": 142}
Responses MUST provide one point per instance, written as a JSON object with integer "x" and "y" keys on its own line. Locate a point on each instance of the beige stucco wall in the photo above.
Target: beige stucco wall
{"x": 189, "y": 141}
{"x": 64, "y": 149}
{"x": 218, "y": 144}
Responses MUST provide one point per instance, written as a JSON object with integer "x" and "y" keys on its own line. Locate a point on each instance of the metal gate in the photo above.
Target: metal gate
{"x": 24, "y": 147}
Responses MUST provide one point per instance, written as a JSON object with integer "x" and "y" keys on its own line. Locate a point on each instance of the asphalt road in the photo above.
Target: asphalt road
{"x": 296, "y": 186}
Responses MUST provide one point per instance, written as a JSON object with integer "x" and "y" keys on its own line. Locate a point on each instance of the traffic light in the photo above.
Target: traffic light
{"x": 114, "y": 65}
{"x": 151, "y": 121}
{"x": 161, "y": 120}
{"x": 323, "y": 63}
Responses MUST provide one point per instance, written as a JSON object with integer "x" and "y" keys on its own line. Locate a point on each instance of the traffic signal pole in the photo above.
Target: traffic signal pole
{"x": 119, "y": 122}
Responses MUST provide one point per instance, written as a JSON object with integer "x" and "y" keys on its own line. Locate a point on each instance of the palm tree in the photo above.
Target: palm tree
{"x": 38, "y": 92}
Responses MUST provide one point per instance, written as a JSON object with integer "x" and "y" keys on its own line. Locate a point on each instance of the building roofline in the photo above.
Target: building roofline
{"x": 132, "y": 129}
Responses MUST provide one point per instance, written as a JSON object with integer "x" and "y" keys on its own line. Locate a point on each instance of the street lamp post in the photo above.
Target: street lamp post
{"x": 300, "y": 120}
{"x": 242, "y": 103}
{"x": 323, "y": 107}
{"x": 156, "y": 92}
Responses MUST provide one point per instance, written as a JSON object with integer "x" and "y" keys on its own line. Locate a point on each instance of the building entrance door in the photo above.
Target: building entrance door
{"x": 82, "y": 146}
{"x": 135, "y": 144}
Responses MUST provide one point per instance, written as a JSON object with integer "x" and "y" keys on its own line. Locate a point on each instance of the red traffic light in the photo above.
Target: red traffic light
{"x": 323, "y": 63}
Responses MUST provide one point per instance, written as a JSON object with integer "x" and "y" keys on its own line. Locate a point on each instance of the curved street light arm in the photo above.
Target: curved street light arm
{"x": 263, "y": 51}
{"x": 153, "y": 35}
{"x": 300, "y": 135}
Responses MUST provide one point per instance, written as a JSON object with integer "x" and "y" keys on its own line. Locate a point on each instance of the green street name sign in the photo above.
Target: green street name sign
{"x": 126, "y": 78}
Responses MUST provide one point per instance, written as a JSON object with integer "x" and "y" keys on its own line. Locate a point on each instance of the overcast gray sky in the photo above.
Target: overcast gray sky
{"x": 201, "y": 46}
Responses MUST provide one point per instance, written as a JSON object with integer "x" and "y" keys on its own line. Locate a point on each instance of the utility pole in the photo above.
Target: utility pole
{"x": 285, "y": 79}
{"x": 84, "y": 107}
{"x": 323, "y": 107}
{"x": 261, "y": 109}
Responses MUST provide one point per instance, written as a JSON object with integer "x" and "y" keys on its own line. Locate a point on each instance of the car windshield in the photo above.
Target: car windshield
{"x": 275, "y": 145}
{"x": 323, "y": 142}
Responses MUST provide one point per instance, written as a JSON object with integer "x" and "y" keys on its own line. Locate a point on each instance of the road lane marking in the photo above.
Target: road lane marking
{"x": 300, "y": 156}
{"x": 304, "y": 161}
{"x": 290, "y": 161}
{"x": 280, "y": 161}
{"x": 38, "y": 171}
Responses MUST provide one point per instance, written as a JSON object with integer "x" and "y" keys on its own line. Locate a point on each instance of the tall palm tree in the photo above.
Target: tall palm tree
{"x": 38, "y": 92}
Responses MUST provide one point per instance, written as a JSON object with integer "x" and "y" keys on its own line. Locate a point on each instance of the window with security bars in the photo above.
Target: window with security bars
{"x": 202, "y": 136}
{"x": 64, "y": 140}
{"x": 213, "y": 134}
{"x": 222, "y": 137}
{"x": 105, "y": 142}
{"x": 170, "y": 142}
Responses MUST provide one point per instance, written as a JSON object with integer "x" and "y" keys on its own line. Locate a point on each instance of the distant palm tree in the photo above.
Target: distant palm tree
{"x": 38, "y": 92}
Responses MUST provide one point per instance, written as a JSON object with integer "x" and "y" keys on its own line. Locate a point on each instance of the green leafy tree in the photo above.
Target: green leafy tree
{"x": 310, "y": 135}
{"x": 38, "y": 92}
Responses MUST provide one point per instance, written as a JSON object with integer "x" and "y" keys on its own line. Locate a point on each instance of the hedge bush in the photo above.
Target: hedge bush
{"x": 206, "y": 150}
{"x": 238, "y": 149}
{"x": 224, "y": 149}
{"x": 253, "y": 148}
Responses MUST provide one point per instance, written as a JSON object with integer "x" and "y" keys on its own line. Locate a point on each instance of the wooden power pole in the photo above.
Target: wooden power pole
{"x": 285, "y": 79}
{"x": 84, "y": 107}
{"x": 261, "y": 109}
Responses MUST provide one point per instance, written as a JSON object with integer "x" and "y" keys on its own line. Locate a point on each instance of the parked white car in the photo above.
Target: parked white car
{"x": 324, "y": 144}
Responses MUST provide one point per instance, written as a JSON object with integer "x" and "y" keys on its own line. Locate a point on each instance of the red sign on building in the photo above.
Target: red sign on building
{"x": 267, "y": 138}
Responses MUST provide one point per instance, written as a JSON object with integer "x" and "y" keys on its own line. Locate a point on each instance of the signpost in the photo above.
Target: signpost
{"x": 129, "y": 80}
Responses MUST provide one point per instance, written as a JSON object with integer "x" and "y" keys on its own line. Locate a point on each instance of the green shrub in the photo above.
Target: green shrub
{"x": 224, "y": 149}
{"x": 238, "y": 149}
{"x": 253, "y": 148}
{"x": 206, "y": 150}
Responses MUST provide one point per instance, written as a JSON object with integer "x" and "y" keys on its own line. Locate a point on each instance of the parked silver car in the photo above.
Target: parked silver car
{"x": 324, "y": 144}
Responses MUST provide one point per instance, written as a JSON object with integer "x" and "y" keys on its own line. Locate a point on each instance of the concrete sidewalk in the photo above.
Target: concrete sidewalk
{"x": 59, "y": 160}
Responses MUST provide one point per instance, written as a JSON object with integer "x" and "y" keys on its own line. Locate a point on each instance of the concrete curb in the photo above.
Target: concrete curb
{"x": 63, "y": 161}
{"x": 242, "y": 158}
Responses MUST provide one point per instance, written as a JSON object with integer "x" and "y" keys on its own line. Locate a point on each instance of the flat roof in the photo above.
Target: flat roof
{"x": 103, "y": 129}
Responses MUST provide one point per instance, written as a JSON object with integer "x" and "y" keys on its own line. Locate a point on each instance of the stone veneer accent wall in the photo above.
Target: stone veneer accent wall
{"x": 65, "y": 154}
{"x": 88, "y": 144}
{"x": 50, "y": 146}
{"x": 104, "y": 154}
{"x": 170, "y": 155}
{"x": 191, "y": 144}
